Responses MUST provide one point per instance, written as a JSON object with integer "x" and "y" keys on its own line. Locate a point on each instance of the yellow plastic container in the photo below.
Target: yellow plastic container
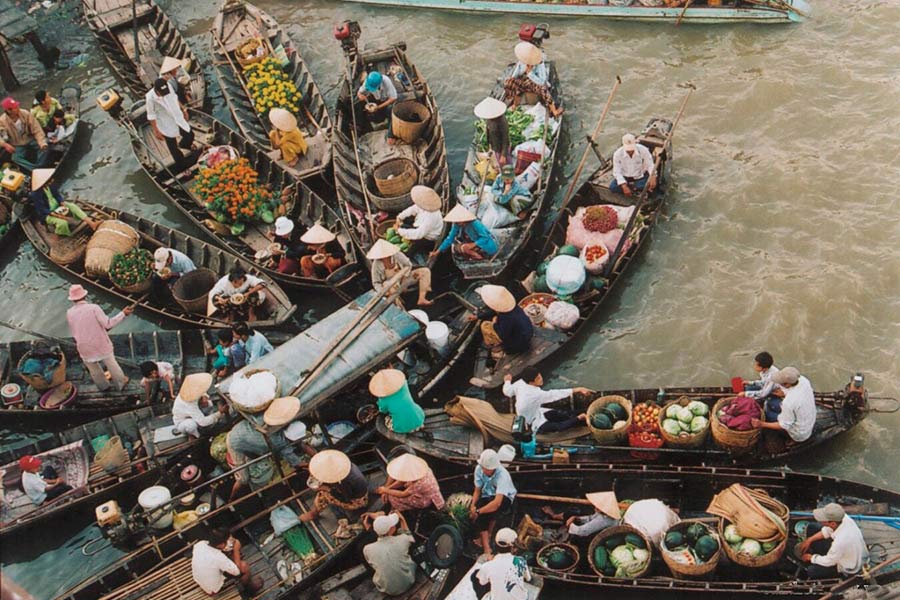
{"x": 12, "y": 180}
{"x": 108, "y": 99}
{"x": 108, "y": 513}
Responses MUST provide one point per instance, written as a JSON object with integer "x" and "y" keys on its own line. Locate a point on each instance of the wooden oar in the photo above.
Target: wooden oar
{"x": 352, "y": 98}
{"x": 543, "y": 498}
{"x": 56, "y": 340}
{"x": 683, "y": 10}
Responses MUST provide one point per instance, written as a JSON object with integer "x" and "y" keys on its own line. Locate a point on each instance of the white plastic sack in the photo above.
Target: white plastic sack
{"x": 580, "y": 237}
{"x": 652, "y": 518}
{"x": 595, "y": 266}
{"x": 253, "y": 391}
{"x": 565, "y": 275}
{"x": 492, "y": 215}
{"x": 282, "y": 519}
{"x": 535, "y": 146}
{"x": 530, "y": 176}
{"x": 562, "y": 315}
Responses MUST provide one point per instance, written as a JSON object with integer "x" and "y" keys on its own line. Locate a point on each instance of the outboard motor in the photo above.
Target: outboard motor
{"x": 347, "y": 33}
{"x": 855, "y": 391}
{"x": 535, "y": 34}
{"x": 117, "y": 527}
{"x": 111, "y": 102}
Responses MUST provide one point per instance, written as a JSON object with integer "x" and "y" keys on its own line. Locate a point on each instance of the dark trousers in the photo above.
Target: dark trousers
{"x": 49, "y": 472}
{"x": 634, "y": 184}
{"x": 175, "y": 147}
{"x": 558, "y": 420}
{"x": 772, "y": 405}
{"x": 483, "y": 522}
{"x": 820, "y": 547}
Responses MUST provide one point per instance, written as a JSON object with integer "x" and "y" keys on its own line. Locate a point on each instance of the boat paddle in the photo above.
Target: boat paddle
{"x": 365, "y": 191}
{"x": 58, "y": 341}
{"x": 683, "y": 10}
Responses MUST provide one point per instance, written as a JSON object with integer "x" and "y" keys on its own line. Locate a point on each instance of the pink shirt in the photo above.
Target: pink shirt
{"x": 88, "y": 325}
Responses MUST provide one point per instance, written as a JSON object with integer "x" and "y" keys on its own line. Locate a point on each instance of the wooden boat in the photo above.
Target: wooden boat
{"x": 879, "y": 582}
{"x": 464, "y": 590}
{"x": 152, "y": 237}
{"x": 303, "y": 205}
{"x": 238, "y": 22}
{"x": 365, "y": 163}
{"x": 689, "y": 490}
{"x": 461, "y": 438}
{"x": 745, "y": 11}
{"x": 356, "y": 583}
{"x": 113, "y": 22}
{"x": 489, "y": 373}
{"x": 71, "y": 453}
{"x": 512, "y": 239}
{"x": 186, "y": 350}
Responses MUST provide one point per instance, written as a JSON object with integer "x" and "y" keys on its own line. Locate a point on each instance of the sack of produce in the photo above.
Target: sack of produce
{"x": 562, "y": 315}
{"x": 131, "y": 272}
{"x": 652, "y": 518}
{"x": 112, "y": 237}
{"x": 684, "y": 423}
{"x": 565, "y": 275}
{"x": 580, "y": 236}
{"x": 530, "y": 176}
{"x": 594, "y": 257}
{"x": 620, "y": 551}
{"x": 691, "y": 548}
{"x": 252, "y": 391}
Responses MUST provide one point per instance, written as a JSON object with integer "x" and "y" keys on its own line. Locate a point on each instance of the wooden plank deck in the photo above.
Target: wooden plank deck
{"x": 14, "y": 22}
{"x": 172, "y": 582}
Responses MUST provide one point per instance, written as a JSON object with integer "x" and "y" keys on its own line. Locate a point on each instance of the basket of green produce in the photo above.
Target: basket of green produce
{"x": 691, "y": 548}
{"x": 620, "y": 551}
{"x": 609, "y": 418}
{"x": 131, "y": 272}
{"x": 387, "y": 231}
{"x": 684, "y": 423}
{"x": 750, "y": 552}
{"x": 558, "y": 557}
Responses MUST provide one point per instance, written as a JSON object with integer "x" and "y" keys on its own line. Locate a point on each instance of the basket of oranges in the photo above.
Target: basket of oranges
{"x": 644, "y": 431}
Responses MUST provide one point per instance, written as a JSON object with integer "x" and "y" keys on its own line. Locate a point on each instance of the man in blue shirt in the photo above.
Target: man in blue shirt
{"x": 493, "y": 497}
{"x": 255, "y": 344}
{"x": 475, "y": 241}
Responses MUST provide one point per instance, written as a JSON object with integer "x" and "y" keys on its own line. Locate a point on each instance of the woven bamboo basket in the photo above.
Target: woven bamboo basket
{"x": 569, "y": 548}
{"x": 191, "y": 290}
{"x": 243, "y": 56}
{"x": 111, "y": 238}
{"x": 609, "y": 436}
{"x": 395, "y": 177}
{"x": 615, "y": 530}
{"x": 745, "y": 560}
{"x": 68, "y": 250}
{"x": 37, "y": 381}
{"x": 736, "y": 442}
{"x": 408, "y": 120}
{"x": 694, "y": 440}
{"x": 261, "y": 407}
{"x": 137, "y": 288}
{"x": 682, "y": 570}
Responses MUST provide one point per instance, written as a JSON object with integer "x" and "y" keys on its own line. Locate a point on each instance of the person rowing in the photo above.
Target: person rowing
{"x": 51, "y": 209}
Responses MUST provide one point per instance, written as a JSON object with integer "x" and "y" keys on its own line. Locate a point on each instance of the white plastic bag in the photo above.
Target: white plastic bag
{"x": 492, "y": 215}
{"x": 253, "y": 391}
{"x": 562, "y": 315}
{"x": 652, "y": 518}
{"x": 594, "y": 266}
{"x": 565, "y": 275}
{"x": 530, "y": 176}
{"x": 282, "y": 519}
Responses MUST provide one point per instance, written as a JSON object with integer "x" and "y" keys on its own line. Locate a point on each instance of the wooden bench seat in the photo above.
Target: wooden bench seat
{"x": 172, "y": 582}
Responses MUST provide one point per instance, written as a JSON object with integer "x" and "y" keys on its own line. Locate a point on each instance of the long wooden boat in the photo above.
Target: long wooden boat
{"x": 465, "y": 591}
{"x": 880, "y": 581}
{"x": 113, "y": 22}
{"x": 477, "y": 425}
{"x": 689, "y": 490}
{"x": 153, "y": 236}
{"x": 70, "y": 452}
{"x": 303, "y": 206}
{"x": 357, "y": 157}
{"x": 356, "y": 584}
{"x": 489, "y": 373}
{"x": 512, "y": 239}
{"x": 238, "y": 22}
{"x": 746, "y": 11}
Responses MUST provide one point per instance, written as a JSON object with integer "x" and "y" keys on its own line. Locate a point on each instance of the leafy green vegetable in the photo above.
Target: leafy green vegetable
{"x": 131, "y": 268}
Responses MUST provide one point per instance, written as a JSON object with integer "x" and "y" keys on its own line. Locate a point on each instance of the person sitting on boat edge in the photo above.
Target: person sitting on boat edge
{"x": 510, "y": 194}
{"x": 154, "y": 374}
{"x": 633, "y": 167}
{"x": 427, "y": 222}
{"x": 287, "y": 140}
{"x": 387, "y": 261}
{"x": 473, "y": 240}
{"x": 762, "y": 388}
{"x": 24, "y": 136}
{"x": 210, "y": 564}
{"x": 187, "y": 414}
{"x": 43, "y": 486}
{"x": 254, "y": 342}
{"x": 394, "y": 569}
{"x": 530, "y": 400}
{"x": 251, "y": 289}
{"x": 324, "y": 255}
{"x": 492, "y": 497}
{"x": 179, "y": 85}
{"x": 51, "y": 209}
{"x": 834, "y": 545}
{"x": 504, "y": 575}
{"x": 410, "y": 485}
{"x": 340, "y": 483}
{"x": 44, "y": 107}
{"x": 525, "y": 77}
{"x": 797, "y": 418}
{"x": 404, "y": 415}
{"x": 375, "y": 97}
{"x": 169, "y": 121}
{"x": 89, "y": 325}
{"x": 510, "y": 330}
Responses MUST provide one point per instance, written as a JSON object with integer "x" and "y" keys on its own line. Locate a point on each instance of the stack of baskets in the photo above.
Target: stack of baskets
{"x": 757, "y": 516}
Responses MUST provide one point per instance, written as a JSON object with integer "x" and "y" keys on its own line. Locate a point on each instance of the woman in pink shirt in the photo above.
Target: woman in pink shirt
{"x": 88, "y": 324}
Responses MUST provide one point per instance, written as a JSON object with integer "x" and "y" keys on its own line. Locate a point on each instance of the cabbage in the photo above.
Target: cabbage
{"x": 732, "y": 536}
{"x": 672, "y": 411}
{"x": 671, "y": 426}
{"x": 751, "y": 547}
{"x": 769, "y": 546}
{"x": 698, "y": 424}
{"x": 621, "y": 556}
{"x": 684, "y": 415}
{"x": 700, "y": 409}
{"x": 640, "y": 555}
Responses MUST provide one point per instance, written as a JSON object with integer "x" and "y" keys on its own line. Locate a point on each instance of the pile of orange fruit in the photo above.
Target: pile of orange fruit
{"x": 232, "y": 193}
{"x": 645, "y": 417}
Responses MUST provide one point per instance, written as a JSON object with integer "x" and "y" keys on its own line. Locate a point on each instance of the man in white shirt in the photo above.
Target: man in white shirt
{"x": 238, "y": 281}
{"x": 798, "y": 409}
{"x": 834, "y": 545}
{"x": 506, "y": 574}
{"x": 530, "y": 401}
{"x": 169, "y": 120}
{"x": 428, "y": 224}
{"x": 633, "y": 167}
{"x": 762, "y": 388}
{"x": 40, "y": 487}
{"x": 210, "y": 564}
{"x": 187, "y": 414}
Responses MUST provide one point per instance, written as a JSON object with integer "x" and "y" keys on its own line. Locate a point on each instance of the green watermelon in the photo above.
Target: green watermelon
{"x": 674, "y": 539}
{"x": 569, "y": 250}
{"x": 635, "y": 540}
{"x": 609, "y": 413}
{"x": 539, "y": 284}
{"x": 601, "y": 557}
{"x": 706, "y": 547}
{"x": 618, "y": 411}
{"x": 600, "y": 420}
{"x": 695, "y": 531}
{"x": 559, "y": 558}
{"x": 598, "y": 283}
{"x": 542, "y": 268}
{"x": 613, "y": 542}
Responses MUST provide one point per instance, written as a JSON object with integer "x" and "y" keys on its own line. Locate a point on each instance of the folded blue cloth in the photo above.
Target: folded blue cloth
{"x": 40, "y": 366}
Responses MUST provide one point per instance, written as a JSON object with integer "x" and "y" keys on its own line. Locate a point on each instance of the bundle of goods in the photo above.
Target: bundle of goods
{"x": 112, "y": 237}
{"x": 558, "y": 557}
{"x": 620, "y": 551}
{"x": 731, "y": 423}
{"x": 652, "y": 518}
{"x": 562, "y": 315}
{"x": 252, "y": 391}
{"x": 691, "y": 549}
{"x": 608, "y": 418}
{"x": 684, "y": 423}
{"x": 602, "y": 224}
{"x": 753, "y": 525}
{"x": 130, "y": 272}
{"x": 535, "y": 306}
{"x": 271, "y": 87}
{"x": 232, "y": 194}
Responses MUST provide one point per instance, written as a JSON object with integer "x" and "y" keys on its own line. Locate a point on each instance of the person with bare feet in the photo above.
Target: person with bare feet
{"x": 606, "y": 514}
{"x": 492, "y": 498}
{"x": 217, "y": 557}
{"x": 340, "y": 483}
{"x": 530, "y": 400}
{"x": 387, "y": 260}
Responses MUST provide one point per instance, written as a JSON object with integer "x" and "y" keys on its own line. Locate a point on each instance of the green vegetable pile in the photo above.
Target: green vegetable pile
{"x": 517, "y": 120}
{"x": 683, "y": 421}
{"x": 610, "y": 417}
{"x": 747, "y": 545}
{"x": 697, "y": 539}
{"x": 621, "y": 556}
{"x": 131, "y": 268}
{"x": 393, "y": 237}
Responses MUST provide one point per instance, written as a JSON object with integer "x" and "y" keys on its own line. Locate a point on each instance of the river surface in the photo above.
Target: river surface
{"x": 781, "y": 232}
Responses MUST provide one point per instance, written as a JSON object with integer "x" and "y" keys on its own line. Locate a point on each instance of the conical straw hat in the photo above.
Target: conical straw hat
{"x": 317, "y": 235}
{"x": 194, "y": 386}
{"x": 408, "y": 467}
{"x": 382, "y": 249}
{"x": 459, "y": 214}
{"x": 497, "y": 298}
{"x": 490, "y": 108}
{"x": 385, "y": 382}
{"x": 39, "y": 177}
{"x": 528, "y": 54}
{"x": 281, "y": 411}
{"x": 606, "y": 503}
{"x": 425, "y": 198}
{"x": 170, "y": 63}
{"x": 329, "y": 466}
{"x": 282, "y": 119}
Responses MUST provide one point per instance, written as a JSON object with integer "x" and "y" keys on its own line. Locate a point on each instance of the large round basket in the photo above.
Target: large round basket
{"x": 395, "y": 177}
{"x": 112, "y": 237}
{"x": 682, "y": 570}
{"x": 569, "y": 549}
{"x": 137, "y": 288}
{"x": 37, "y": 381}
{"x": 693, "y": 440}
{"x": 609, "y": 436}
{"x": 745, "y": 560}
{"x": 621, "y": 531}
{"x": 68, "y": 250}
{"x": 191, "y": 290}
{"x": 536, "y": 305}
{"x": 408, "y": 119}
{"x": 246, "y": 54}
{"x": 259, "y": 407}
{"x": 736, "y": 442}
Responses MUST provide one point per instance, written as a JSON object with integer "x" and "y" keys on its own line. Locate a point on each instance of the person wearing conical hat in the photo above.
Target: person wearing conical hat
{"x": 396, "y": 401}
{"x": 24, "y": 136}
{"x": 493, "y": 112}
{"x": 510, "y": 331}
{"x": 169, "y": 70}
{"x": 169, "y": 123}
{"x": 410, "y": 485}
{"x": 341, "y": 484}
{"x": 426, "y": 224}
{"x": 288, "y": 141}
{"x": 51, "y": 209}
{"x": 387, "y": 261}
{"x": 473, "y": 240}
{"x": 324, "y": 254}
{"x": 530, "y": 76}
{"x": 187, "y": 410}
{"x": 606, "y": 514}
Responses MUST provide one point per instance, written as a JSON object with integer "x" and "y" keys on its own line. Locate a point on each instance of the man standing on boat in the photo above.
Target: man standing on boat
{"x": 169, "y": 120}
{"x": 169, "y": 71}
{"x": 88, "y": 324}
{"x": 834, "y": 545}
{"x": 797, "y": 418}
{"x": 633, "y": 167}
